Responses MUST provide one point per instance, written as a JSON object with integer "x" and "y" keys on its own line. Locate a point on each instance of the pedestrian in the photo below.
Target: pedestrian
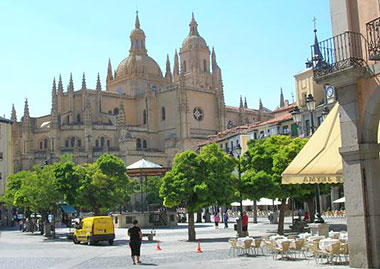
{"x": 225, "y": 219}
{"x": 306, "y": 218}
{"x": 300, "y": 213}
{"x": 135, "y": 236}
{"x": 245, "y": 223}
{"x": 216, "y": 220}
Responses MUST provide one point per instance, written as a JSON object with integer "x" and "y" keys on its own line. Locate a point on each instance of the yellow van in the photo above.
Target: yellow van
{"x": 94, "y": 229}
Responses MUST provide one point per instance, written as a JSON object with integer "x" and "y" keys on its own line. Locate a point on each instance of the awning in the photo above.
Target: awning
{"x": 340, "y": 200}
{"x": 319, "y": 161}
{"x": 68, "y": 209}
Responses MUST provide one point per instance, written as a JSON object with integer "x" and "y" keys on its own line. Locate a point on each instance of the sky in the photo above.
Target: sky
{"x": 260, "y": 44}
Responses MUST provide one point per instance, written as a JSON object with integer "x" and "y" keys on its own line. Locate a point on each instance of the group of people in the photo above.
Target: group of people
{"x": 225, "y": 221}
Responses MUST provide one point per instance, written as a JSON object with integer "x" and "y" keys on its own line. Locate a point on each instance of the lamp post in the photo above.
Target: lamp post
{"x": 237, "y": 152}
{"x": 296, "y": 113}
{"x": 325, "y": 111}
{"x": 310, "y": 103}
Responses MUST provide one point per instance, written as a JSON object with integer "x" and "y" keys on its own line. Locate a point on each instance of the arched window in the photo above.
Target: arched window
{"x": 144, "y": 117}
{"x": 138, "y": 143}
{"x": 97, "y": 143}
{"x": 204, "y": 65}
{"x": 78, "y": 118}
{"x": 45, "y": 143}
{"x": 144, "y": 144}
{"x": 163, "y": 113}
{"x": 79, "y": 143}
{"x": 41, "y": 145}
{"x": 108, "y": 143}
{"x": 72, "y": 142}
{"x": 67, "y": 143}
{"x": 102, "y": 142}
{"x": 184, "y": 66}
{"x": 137, "y": 44}
{"x": 116, "y": 111}
{"x": 68, "y": 119}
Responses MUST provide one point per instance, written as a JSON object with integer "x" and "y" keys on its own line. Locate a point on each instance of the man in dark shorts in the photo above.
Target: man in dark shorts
{"x": 135, "y": 236}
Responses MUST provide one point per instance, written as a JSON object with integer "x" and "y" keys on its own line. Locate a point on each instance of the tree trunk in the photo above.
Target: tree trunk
{"x": 207, "y": 215}
{"x": 191, "y": 227}
{"x": 280, "y": 228}
{"x": 199, "y": 216}
{"x": 310, "y": 205}
{"x": 254, "y": 211}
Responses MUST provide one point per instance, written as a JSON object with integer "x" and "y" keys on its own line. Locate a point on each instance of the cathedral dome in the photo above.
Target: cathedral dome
{"x": 138, "y": 64}
{"x": 194, "y": 41}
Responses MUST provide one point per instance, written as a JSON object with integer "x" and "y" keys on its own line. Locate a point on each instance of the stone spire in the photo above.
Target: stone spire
{"x": 213, "y": 60}
{"x": 241, "y": 102}
{"x": 26, "y": 111}
{"x": 70, "y": 87}
{"x": 121, "y": 118}
{"x": 84, "y": 86}
{"x": 109, "y": 71}
{"x": 60, "y": 86}
{"x": 98, "y": 84}
{"x": 282, "y": 101}
{"x": 245, "y": 102}
{"x": 168, "y": 73}
{"x": 13, "y": 114}
{"x": 54, "y": 103}
{"x": 176, "y": 67}
{"x": 193, "y": 26}
{"x": 137, "y": 21}
{"x": 261, "y": 107}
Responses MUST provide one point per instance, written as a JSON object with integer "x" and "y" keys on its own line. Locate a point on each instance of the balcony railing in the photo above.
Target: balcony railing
{"x": 373, "y": 38}
{"x": 338, "y": 53}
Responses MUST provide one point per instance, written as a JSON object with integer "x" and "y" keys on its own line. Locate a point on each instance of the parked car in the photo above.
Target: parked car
{"x": 94, "y": 229}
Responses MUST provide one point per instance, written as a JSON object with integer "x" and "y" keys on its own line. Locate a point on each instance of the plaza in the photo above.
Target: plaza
{"x": 27, "y": 250}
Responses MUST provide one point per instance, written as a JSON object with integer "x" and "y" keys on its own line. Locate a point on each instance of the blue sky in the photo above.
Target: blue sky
{"x": 260, "y": 44}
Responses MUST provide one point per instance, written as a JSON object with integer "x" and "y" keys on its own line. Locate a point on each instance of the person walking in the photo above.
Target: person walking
{"x": 135, "y": 237}
{"x": 225, "y": 220}
{"x": 216, "y": 220}
{"x": 245, "y": 223}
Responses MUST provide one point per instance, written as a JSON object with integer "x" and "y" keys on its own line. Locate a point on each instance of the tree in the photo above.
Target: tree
{"x": 67, "y": 176}
{"x": 104, "y": 184}
{"x": 268, "y": 159}
{"x": 196, "y": 181}
{"x": 152, "y": 190}
{"x": 14, "y": 194}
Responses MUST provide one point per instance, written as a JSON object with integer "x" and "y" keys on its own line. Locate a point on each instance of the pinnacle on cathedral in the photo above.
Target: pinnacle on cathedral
{"x": 193, "y": 26}
{"x": 241, "y": 102}
{"x": 168, "y": 73}
{"x": 70, "y": 87}
{"x": 261, "y": 107}
{"x": 176, "y": 66}
{"x": 84, "y": 86}
{"x": 54, "y": 98}
{"x": 13, "y": 114}
{"x": 245, "y": 102}
{"x": 109, "y": 71}
{"x": 26, "y": 110}
{"x": 98, "y": 84}
{"x": 282, "y": 101}
{"x": 60, "y": 86}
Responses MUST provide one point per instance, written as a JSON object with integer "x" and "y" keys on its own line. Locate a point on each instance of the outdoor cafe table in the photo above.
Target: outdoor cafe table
{"x": 276, "y": 237}
{"x": 325, "y": 244}
{"x": 241, "y": 240}
{"x": 304, "y": 235}
{"x": 332, "y": 234}
{"x": 315, "y": 237}
{"x": 280, "y": 241}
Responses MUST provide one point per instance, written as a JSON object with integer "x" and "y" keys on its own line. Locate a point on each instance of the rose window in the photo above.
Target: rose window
{"x": 198, "y": 113}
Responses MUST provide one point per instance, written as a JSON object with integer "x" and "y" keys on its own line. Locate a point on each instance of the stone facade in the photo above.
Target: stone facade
{"x": 141, "y": 113}
{"x": 6, "y": 164}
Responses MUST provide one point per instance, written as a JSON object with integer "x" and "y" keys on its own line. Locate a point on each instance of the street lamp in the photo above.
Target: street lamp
{"x": 237, "y": 151}
{"x": 310, "y": 102}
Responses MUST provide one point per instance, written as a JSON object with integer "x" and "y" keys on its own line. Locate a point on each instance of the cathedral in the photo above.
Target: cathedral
{"x": 141, "y": 113}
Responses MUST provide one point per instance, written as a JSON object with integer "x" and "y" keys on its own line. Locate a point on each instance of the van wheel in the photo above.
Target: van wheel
{"x": 110, "y": 242}
{"x": 75, "y": 240}
{"x": 89, "y": 242}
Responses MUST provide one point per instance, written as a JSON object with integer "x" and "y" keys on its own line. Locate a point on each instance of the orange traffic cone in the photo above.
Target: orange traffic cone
{"x": 158, "y": 245}
{"x": 199, "y": 250}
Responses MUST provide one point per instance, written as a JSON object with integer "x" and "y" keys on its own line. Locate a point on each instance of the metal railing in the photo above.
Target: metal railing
{"x": 346, "y": 50}
{"x": 373, "y": 38}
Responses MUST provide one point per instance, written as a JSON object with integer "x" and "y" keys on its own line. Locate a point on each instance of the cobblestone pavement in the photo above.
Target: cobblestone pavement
{"x": 27, "y": 250}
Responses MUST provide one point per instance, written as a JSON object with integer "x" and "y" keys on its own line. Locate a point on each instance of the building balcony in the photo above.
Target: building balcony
{"x": 373, "y": 38}
{"x": 344, "y": 54}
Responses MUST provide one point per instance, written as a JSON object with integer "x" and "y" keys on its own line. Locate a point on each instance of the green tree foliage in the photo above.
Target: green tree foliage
{"x": 152, "y": 190}
{"x": 196, "y": 181}
{"x": 103, "y": 184}
{"x": 14, "y": 193}
{"x": 268, "y": 159}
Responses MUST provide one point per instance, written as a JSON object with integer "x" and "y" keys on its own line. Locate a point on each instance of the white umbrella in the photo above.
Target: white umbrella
{"x": 340, "y": 200}
{"x": 245, "y": 203}
{"x": 266, "y": 201}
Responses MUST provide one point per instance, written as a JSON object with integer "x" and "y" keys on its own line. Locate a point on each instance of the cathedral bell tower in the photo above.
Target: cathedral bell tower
{"x": 195, "y": 59}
